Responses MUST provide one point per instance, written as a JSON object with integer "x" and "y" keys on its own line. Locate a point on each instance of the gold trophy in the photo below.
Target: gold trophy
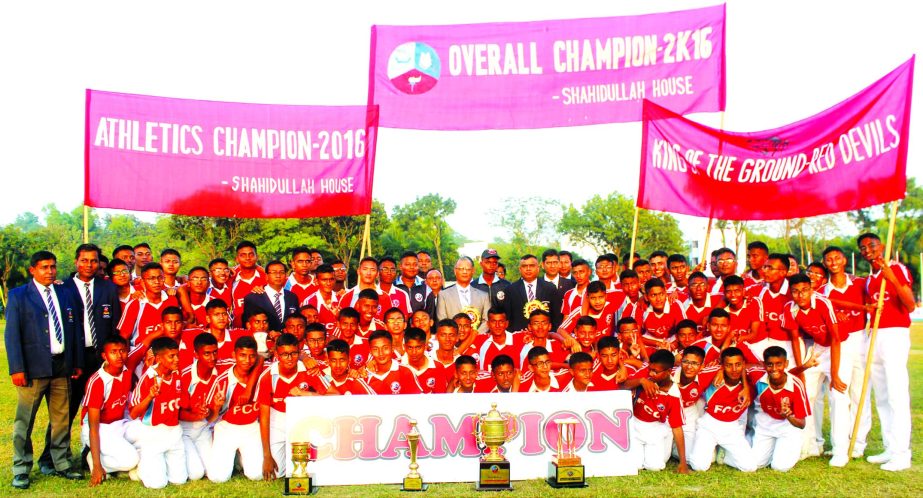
{"x": 493, "y": 430}
{"x": 414, "y": 481}
{"x": 301, "y": 482}
{"x": 474, "y": 314}
{"x": 565, "y": 469}
{"x": 533, "y": 305}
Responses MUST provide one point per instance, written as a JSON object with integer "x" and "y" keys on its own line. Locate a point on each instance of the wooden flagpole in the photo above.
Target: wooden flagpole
{"x": 634, "y": 236}
{"x": 365, "y": 242}
{"x": 86, "y": 224}
{"x": 874, "y": 332}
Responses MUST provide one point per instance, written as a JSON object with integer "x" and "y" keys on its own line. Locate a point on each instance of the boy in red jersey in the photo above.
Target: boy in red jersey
{"x": 498, "y": 341}
{"x": 429, "y": 373}
{"x": 142, "y": 315}
{"x": 581, "y": 373}
{"x": 156, "y": 402}
{"x": 238, "y": 429}
{"x": 324, "y": 299}
{"x": 197, "y": 379}
{"x": 659, "y": 319}
{"x": 692, "y": 380}
{"x": 385, "y": 374}
{"x": 301, "y": 281}
{"x": 348, "y": 326}
{"x": 746, "y": 318}
{"x": 781, "y": 408}
{"x": 194, "y": 296}
{"x": 609, "y": 372}
{"x": 446, "y": 338}
{"x": 699, "y": 303}
{"x": 773, "y": 293}
{"x": 140, "y": 357}
{"x": 466, "y": 375}
{"x": 537, "y": 335}
{"x": 503, "y": 377}
{"x": 573, "y": 298}
{"x": 338, "y": 353}
{"x": 598, "y": 307}
{"x": 103, "y": 418}
{"x": 540, "y": 378}
{"x": 247, "y": 278}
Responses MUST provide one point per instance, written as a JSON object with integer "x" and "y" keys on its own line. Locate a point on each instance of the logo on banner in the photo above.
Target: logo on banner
{"x": 414, "y": 68}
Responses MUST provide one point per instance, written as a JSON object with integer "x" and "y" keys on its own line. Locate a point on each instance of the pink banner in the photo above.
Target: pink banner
{"x": 548, "y": 73}
{"x": 203, "y": 158}
{"x": 850, "y": 156}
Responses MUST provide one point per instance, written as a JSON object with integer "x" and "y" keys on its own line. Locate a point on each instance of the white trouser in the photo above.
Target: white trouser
{"x": 691, "y": 414}
{"x": 197, "y": 439}
{"x": 115, "y": 452}
{"x": 758, "y": 347}
{"x": 711, "y": 433}
{"x": 162, "y": 456}
{"x": 654, "y": 440}
{"x": 229, "y": 439}
{"x": 855, "y": 388}
{"x": 815, "y": 377}
{"x": 776, "y": 443}
{"x": 277, "y": 440}
{"x": 890, "y": 382}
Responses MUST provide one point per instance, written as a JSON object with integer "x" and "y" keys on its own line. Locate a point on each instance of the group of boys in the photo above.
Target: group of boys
{"x": 196, "y": 369}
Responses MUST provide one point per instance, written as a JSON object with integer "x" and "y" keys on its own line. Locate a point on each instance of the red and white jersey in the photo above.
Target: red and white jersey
{"x": 141, "y": 316}
{"x": 893, "y": 313}
{"x": 239, "y": 290}
{"x": 661, "y": 325}
{"x": 816, "y": 322}
{"x": 384, "y": 300}
{"x": 605, "y": 320}
{"x": 773, "y": 306}
{"x": 556, "y": 351}
{"x": 358, "y": 352}
{"x": 768, "y": 401}
{"x": 301, "y": 291}
{"x": 108, "y": 393}
{"x": 616, "y": 296}
{"x": 485, "y": 383}
{"x": 631, "y": 309}
{"x": 431, "y": 377}
{"x": 743, "y": 319}
{"x": 397, "y": 380}
{"x": 602, "y": 381}
{"x": 750, "y": 280}
{"x": 349, "y": 385}
{"x": 398, "y": 298}
{"x": 664, "y": 407}
{"x": 691, "y": 392}
{"x": 164, "y": 408}
{"x": 570, "y": 388}
{"x": 573, "y": 299}
{"x": 722, "y": 403}
{"x": 327, "y": 311}
{"x": 272, "y": 387}
{"x": 197, "y": 302}
{"x": 677, "y": 293}
{"x": 699, "y": 314}
{"x": 488, "y": 349}
{"x": 364, "y": 333}
{"x": 712, "y": 353}
{"x": 225, "y": 347}
{"x": 223, "y": 294}
{"x": 557, "y": 381}
{"x": 852, "y": 292}
{"x": 237, "y": 409}
{"x": 197, "y": 387}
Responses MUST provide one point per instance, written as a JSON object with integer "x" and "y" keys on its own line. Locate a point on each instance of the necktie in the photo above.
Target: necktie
{"x": 465, "y": 299}
{"x": 89, "y": 311}
{"x": 531, "y": 292}
{"x": 277, "y": 304}
{"x": 58, "y": 331}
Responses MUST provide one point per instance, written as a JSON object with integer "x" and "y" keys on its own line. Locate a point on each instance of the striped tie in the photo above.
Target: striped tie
{"x": 58, "y": 331}
{"x": 278, "y": 305}
{"x": 531, "y": 293}
{"x": 89, "y": 311}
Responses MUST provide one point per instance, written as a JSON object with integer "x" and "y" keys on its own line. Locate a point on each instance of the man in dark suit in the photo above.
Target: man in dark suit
{"x": 275, "y": 301}
{"x": 100, "y": 313}
{"x": 43, "y": 348}
{"x": 551, "y": 264}
{"x": 530, "y": 288}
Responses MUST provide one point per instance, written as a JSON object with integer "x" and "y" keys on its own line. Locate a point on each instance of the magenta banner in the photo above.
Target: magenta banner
{"x": 204, "y": 158}
{"x": 850, "y": 156}
{"x": 547, "y": 73}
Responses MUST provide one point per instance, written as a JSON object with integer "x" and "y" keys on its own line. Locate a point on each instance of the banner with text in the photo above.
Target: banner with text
{"x": 850, "y": 156}
{"x": 547, "y": 73}
{"x": 204, "y": 158}
{"x": 359, "y": 442}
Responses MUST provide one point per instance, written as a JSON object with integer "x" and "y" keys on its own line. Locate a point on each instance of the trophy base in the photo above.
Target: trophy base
{"x": 300, "y": 485}
{"x": 494, "y": 476}
{"x": 566, "y": 476}
{"x": 414, "y": 484}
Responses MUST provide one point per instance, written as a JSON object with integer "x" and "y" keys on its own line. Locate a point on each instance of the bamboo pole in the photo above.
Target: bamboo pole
{"x": 634, "y": 236}
{"x": 86, "y": 224}
{"x": 705, "y": 257}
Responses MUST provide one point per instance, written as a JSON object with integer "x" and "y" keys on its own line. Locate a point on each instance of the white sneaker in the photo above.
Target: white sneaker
{"x": 896, "y": 465}
{"x": 857, "y": 453}
{"x": 133, "y": 474}
{"x": 839, "y": 461}
{"x": 879, "y": 458}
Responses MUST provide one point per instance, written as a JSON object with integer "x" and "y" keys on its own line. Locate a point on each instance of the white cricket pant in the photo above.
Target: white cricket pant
{"x": 228, "y": 440}
{"x": 278, "y": 440}
{"x": 197, "y": 440}
{"x": 776, "y": 443}
{"x": 855, "y": 388}
{"x": 115, "y": 452}
{"x": 691, "y": 414}
{"x": 654, "y": 440}
{"x": 711, "y": 433}
{"x": 891, "y": 383}
{"x": 758, "y": 347}
{"x": 162, "y": 456}
{"x": 815, "y": 377}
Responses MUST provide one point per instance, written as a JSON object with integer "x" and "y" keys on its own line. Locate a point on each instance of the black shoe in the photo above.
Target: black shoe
{"x": 47, "y": 470}
{"x": 71, "y": 474}
{"x": 21, "y": 481}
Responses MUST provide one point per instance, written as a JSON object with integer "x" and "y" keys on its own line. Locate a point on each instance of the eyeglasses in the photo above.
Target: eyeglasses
{"x": 726, "y": 261}
{"x": 276, "y": 273}
{"x": 154, "y": 279}
{"x": 291, "y": 354}
{"x": 542, "y": 364}
{"x": 121, "y": 272}
{"x": 690, "y": 363}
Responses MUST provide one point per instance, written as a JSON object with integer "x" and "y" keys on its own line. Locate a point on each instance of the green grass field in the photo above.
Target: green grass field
{"x": 810, "y": 478}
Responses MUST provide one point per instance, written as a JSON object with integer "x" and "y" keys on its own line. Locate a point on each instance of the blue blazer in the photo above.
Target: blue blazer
{"x": 260, "y": 302}
{"x": 28, "y": 344}
{"x": 107, "y": 311}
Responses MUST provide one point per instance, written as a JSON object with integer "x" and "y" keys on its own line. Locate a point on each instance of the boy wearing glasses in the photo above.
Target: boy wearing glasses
{"x": 142, "y": 315}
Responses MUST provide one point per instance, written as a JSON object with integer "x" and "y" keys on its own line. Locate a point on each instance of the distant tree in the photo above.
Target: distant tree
{"x": 421, "y": 225}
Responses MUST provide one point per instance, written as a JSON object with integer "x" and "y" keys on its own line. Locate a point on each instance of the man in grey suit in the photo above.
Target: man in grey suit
{"x": 462, "y": 294}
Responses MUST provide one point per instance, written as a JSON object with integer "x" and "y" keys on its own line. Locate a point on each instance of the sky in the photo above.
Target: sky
{"x": 786, "y": 60}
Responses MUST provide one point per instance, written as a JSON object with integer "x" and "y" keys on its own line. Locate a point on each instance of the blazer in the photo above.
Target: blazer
{"x": 107, "y": 311}
{"x": 449, "y": 304}
{"x": 260, "y": 302}
{"x": 28, "y": 343}
{"x": 516, "y": 299}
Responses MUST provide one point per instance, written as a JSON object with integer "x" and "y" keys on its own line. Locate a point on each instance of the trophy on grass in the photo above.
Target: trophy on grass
{"x": 414, "y": 481}
{"x": 492, "y": 431}
{"x": 301, "y": 482}
{"x": 565, "y": 469}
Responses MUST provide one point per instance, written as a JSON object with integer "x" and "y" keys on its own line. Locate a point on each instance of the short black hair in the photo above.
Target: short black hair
{"x": 202, "y": 340}
{"x": 245, "y": 342}
{"x": 663, "y": 358}
{"x": 579, "y": 357}
{"x": 287, "y": 339}
{"x": 161, "y": 344}
{"x": 87, "y": 248}
{"x": 42, "y": 256}
{"x": 500, "y": 360}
